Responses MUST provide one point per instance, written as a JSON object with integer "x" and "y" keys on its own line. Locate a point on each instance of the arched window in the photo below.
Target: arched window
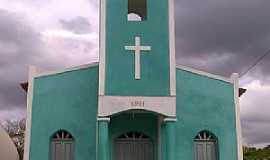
{"x": 133, "y": 145}
{"x": 205, "y": 146}
{"x": 62, "y": 146}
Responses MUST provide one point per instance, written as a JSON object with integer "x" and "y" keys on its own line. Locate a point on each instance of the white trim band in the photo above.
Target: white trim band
{"x": 170, "y": 119}
{"x": 103, "y": 119}
{"x": 109, "y": 105}
{"x": 102, "y": 47}
{"x": 48, "y": 73}
{"x": 206, "y": 74}
{"x": 172, "y": 47}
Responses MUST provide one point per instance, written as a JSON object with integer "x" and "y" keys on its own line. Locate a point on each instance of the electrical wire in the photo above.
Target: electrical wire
{"x": 255, "y": 63}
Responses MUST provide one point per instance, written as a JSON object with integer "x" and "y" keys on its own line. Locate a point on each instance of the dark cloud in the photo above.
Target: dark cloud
{"x": 228, "y": 36}
{"x": 256, "y": 132}
{"x": 77, "y": 25}
{"x": 255, "y": 126}
{"x": 238, "y": 30}
{"x": 217, "y": 36}
{"x": 19, "y": 46}
{"x": 255, "y": 113}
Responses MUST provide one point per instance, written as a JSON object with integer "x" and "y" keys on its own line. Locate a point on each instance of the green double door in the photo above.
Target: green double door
{"x": 133, "y": 148}
{"x": 62, "y": 150}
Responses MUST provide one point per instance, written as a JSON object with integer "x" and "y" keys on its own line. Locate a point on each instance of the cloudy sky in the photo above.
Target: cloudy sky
{"x": 220, "y": 37}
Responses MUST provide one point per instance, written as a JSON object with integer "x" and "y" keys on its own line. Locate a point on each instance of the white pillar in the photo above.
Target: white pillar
{"x": 235, "y": 80}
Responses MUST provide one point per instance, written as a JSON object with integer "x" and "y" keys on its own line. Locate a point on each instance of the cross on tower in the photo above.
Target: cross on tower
{"x": 138, "y": 48}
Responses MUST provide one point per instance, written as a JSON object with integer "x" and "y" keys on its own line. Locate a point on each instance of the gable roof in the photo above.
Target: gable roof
{"x": 42, "y": 73}
{"x": 24, "y": 85}
{"x": 209, "y": 75}
{"x": 48, "y": 73}
{"x": 203, "y": 73}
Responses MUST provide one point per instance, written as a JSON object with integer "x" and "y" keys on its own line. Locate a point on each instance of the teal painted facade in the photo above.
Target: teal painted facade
{"x": 69, "y": 101}
{"x": 204, "y": 104}
{"x": 120, "y": 33}
{"x": 72, "y": 100}
{"x": 65, "y": 101}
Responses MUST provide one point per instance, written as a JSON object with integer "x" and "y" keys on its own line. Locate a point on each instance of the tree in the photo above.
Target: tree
{"x": 252, "y": 153}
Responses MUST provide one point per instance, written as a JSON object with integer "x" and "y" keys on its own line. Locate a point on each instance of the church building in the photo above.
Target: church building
{"x": 136, "y": 103}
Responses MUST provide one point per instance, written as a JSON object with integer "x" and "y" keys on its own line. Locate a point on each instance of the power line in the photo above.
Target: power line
{"x": 255, "y": 63}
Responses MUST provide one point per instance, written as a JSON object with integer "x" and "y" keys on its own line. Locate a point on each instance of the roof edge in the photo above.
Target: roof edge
{"x": 203, "y": 73}
{"x": 48, "y": 73}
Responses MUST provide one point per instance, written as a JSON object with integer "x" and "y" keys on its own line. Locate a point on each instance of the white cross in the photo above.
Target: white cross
{"x": 138, "y": 48}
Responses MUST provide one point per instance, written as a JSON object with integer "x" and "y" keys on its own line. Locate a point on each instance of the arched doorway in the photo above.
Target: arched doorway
{"x": 133, "y": 146}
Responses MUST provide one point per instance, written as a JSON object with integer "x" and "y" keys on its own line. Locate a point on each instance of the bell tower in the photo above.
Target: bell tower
{"x": 137, "y": 55}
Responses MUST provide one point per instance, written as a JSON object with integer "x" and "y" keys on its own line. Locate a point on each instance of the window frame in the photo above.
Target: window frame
{"x": 205, "y": 137}
{"x": 61, "y": 137}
